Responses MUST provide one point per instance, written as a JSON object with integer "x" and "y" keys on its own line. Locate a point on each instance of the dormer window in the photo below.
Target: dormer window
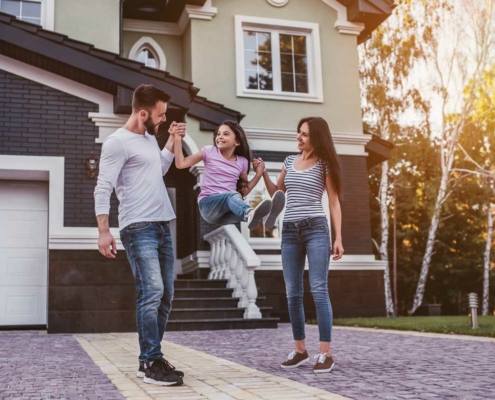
{"x": 147, "y": 57}
{"x": 278, "y": 59}
{"x": 147, "y": 51}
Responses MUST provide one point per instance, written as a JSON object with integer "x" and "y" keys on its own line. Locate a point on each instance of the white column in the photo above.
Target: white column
{"x": 220, "y": 258}
{"x": 213, "y": 249}
{"x": 252, "y": 310}
{"x": 238, "y": 277}
{"x": 228, "y": 251}
{"x": 232, "y": 267}
{"x": 243, "y": 301}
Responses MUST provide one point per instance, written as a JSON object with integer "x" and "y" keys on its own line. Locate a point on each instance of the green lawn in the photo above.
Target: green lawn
{"x": 451, "y": 325}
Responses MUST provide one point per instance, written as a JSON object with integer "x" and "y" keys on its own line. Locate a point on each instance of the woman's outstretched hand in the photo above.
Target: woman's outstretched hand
{"x": 338, "y": 250}
{"x": 259, "y": 166}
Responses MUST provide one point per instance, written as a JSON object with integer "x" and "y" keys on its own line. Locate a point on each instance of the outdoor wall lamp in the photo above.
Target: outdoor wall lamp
{"x": 91, "y": 166}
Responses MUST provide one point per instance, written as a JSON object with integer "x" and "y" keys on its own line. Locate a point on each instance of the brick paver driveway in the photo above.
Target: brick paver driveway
{"x": 369, "y": 365}
{"x": 34, "y": 365}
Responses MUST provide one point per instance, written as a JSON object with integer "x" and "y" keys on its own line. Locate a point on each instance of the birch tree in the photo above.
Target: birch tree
{"x": 458, "y": 48}
{"x": 386, "y": 61}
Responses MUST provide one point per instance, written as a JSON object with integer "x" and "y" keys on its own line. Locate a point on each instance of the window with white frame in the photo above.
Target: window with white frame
{"x": 278, "y": 59}
{"x": 29, "y": 11}
{"x": 39, "y": 12}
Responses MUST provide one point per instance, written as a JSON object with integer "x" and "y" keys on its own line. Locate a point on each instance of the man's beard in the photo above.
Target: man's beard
{"x": 151, "y": 128}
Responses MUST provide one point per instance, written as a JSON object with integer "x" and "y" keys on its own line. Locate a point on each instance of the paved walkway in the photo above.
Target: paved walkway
{"x": 244, "y": 364}
{"x": 368, "y": 364}
{"x": 206, "y": 376}
{"x": 34, "y": 365}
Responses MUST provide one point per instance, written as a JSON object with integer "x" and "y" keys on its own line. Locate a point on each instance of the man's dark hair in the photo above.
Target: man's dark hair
{"x": 146, "y": 96}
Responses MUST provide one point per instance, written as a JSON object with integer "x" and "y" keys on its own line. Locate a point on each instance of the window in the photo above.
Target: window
{"x": 29, "y": 11}
{"x": 149, "y": 52}
{"x": 147, "y": 58}
{"x": 39, "y": 12}
{"x": 278, "y": 59}
{"x": 257, "y": 195}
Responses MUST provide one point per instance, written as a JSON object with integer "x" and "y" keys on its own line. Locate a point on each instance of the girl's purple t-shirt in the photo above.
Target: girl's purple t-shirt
{"x": 220, "y": 175}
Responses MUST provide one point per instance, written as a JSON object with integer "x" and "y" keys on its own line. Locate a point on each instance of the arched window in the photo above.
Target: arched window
{"x": 147, "y": 57}
{"x": 149, "y": 52}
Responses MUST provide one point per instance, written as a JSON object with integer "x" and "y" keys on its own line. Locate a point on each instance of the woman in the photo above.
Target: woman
{"x": 304, "y": 178}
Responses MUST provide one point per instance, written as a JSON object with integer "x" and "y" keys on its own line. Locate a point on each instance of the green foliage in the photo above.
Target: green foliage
{"x": 460, "y": 325}
{"x": 457, "y": 263}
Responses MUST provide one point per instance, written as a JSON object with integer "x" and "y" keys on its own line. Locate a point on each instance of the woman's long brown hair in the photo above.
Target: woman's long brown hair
{"x": 321, "y": 140}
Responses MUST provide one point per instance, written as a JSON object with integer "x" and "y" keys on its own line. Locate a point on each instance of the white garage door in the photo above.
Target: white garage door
{"x": 23, "y": 252}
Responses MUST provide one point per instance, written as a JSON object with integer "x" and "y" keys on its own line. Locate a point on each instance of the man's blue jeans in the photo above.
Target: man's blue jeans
{"x": 151, "y": 255}
{"x": 311, "y": 237}
{"x": 223, "y": 208}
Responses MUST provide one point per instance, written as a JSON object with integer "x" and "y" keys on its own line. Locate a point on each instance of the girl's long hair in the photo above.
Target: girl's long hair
{"x": 241, "y": 150}
{"x": 322, "y": 142}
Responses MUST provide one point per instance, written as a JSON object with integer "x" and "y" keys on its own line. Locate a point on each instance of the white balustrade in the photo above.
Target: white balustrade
{"x": 228, "y": 251}
{"x": 232, "y": 267}
{"x": 232, "y": 258}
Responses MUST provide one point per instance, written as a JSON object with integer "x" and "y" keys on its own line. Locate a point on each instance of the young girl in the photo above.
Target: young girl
{"x": 225, "y": 180}
{"x": 305, "y": 232}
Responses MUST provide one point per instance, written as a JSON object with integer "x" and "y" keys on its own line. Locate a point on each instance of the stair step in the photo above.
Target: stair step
{"x": 214, "y": 324}
{"x": 200, "y": 283}
{"x": 202, "y": 292}
{"x": 213, "y": 313}
{"x": 211, "y": 302}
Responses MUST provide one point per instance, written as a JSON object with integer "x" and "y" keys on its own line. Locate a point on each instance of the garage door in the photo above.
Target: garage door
{"x": 23, "y": 252}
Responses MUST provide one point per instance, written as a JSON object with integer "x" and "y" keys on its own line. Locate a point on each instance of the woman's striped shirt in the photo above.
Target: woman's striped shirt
{"x": 304, "y": 190}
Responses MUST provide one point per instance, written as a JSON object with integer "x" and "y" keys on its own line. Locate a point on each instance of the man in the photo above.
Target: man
{"x": 132, "y": 162}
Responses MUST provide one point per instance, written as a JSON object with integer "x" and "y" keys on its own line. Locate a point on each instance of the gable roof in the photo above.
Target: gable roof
{"x": 100, "y": 69}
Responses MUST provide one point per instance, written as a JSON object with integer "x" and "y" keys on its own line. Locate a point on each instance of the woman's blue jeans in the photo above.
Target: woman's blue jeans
{"x": 151, "y": 254}
{"x": 311, "y": 237}
{"x": 223, "y": 208}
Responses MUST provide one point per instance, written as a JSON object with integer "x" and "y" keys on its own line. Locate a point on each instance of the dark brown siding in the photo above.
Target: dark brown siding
{"x": 352, "y": 294}
{"x": 90, "y": 293}
{"x": 36, "y": 120}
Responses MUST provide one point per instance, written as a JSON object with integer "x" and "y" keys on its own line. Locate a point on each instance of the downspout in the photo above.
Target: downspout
{"x": 121, "y": 28}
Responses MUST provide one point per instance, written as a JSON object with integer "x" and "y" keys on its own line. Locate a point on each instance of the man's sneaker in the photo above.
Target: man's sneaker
{"x": 278, "y": 204}
{"x": 295, "y": 359}
{"x": 160, "y": 374}
{"x": 324, "y": 363}
{"x": 255, "y": 216}
{"x": 141, "y": 372}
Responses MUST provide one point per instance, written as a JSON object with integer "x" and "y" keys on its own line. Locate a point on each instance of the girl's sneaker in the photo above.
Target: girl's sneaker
{"x": 278, "y": 204}
{"x": 260, "y": 212}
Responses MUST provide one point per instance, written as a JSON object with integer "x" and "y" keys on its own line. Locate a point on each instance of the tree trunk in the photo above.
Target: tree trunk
{"x": 430, "y": 243}
{"x": 384, "y": 238}
{"x": 486, "y": 266}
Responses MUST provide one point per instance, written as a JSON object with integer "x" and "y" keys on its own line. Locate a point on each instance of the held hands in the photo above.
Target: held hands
{"x": 177, "y": 130}
{"x": 338, "y": 250}
{"x": 259, "y": 166}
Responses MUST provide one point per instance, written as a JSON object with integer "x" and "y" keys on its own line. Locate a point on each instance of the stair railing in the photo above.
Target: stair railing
{"x": 232, "y": 258}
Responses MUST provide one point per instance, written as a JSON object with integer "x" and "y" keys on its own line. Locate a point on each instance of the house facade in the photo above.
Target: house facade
{"x": 67, "y": 85}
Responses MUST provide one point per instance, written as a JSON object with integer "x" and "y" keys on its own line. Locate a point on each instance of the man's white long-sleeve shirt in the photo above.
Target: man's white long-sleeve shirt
{"x": 135, "y": 166}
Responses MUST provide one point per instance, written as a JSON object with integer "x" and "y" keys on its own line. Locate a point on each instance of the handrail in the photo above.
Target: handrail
{"x": 232, "y": 258}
